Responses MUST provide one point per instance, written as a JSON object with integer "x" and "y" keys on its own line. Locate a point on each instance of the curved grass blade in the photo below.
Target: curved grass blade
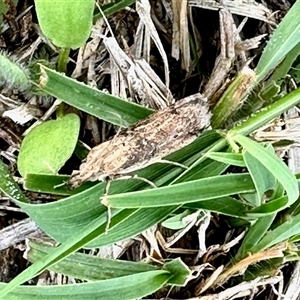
{"x": 178, "y": 194}
{"x": 86, "y": 266}
{"x": 267, "y": 114}
{"x": 127, "y": 287}
{"x": 102, "y": 105}
{"x": 284, "y": 39}
{"x": 271, "y": 207}
{"x": 111, "y": 8}
{"x": 226, "y": 206}
{"x": 235, "y": 159}
{"x": 53, "y": 184}
{"x": 254, "y": 235}
{"x": 261, "y": 176}
{"x": 281, "y": 233}
{"x": 97, "y": 228}
{"x": 274, "y": 165}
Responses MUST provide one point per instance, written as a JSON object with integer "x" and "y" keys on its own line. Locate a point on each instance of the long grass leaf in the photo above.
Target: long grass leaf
{"x": 102, "y": 105}
{"x": 274, "y": 165}
{"x": 178, "y": 194}
{"x": 284, "y": 39}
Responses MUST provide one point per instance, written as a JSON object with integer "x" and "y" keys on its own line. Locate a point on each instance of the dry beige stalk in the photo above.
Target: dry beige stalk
{"x": 247, "y": 8}
{"x": 147, "y": 142}
{"x": 240, "y": 267}
{"x": 143, "y": 8}
{"x": 137, "y": 76}
{"x": 245, "y": 289}
{"x": 180, "y": 38}
{"x": 227, "y": 55}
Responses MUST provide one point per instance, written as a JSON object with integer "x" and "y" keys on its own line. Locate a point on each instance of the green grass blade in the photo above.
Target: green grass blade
{"x": 280, "y": 73}
{"x": 119, "y": 229}
{"x": 279, "y": 234}
{"x": 274, "y": 205}
{"x": 113, "y": 7}
{"x": 73, "y": 244}
{"x": 284, "y": 39}
{"x": 261, "y": 176}
{"x": 235, "y": 159}
{"x": 53, "y": 184}
{"x": 86, "y": 266}
{"x": 254, "y": 235}
{"x": 267, "y": 114}
{"x": 178, "y": 194}
{"x": 102, "y": 105}
{"x": 226, "y": 206}
{"x": 127, "y": 287}
{"x": 274, "y": 165}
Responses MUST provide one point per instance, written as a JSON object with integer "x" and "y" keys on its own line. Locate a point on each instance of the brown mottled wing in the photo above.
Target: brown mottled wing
{"x": 151, "y": 139}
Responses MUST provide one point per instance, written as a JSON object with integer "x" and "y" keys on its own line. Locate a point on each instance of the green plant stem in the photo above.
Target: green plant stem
{"x": 62, "y": 62}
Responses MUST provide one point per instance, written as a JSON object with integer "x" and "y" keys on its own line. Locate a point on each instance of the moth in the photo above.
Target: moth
{"x": 147, "y": 142}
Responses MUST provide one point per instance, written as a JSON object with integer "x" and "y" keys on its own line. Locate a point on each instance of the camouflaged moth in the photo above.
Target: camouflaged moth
{"x": 147, "y": 142}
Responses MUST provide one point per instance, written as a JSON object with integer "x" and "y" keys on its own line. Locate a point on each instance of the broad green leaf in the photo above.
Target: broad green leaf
{"x": 127, "y": 287}
{"x": 261, "y": 176}
{"x": 235, "y": 159}
{"x": 68, "y": 23}
{"x": 178, "y": 194}
{"x": 90, "y": 100}
{"x": 48, "y": 146}
{"x": 274, "y": 165}
{"x": 284, "y": 39}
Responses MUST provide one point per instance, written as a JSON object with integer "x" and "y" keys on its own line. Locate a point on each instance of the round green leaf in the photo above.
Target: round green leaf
{"x": 67, "y": 23}
{"x": 49, "y": 145}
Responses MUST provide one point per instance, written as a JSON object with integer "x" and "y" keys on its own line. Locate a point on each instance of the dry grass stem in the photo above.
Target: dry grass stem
{"x": 245, "y": 8}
